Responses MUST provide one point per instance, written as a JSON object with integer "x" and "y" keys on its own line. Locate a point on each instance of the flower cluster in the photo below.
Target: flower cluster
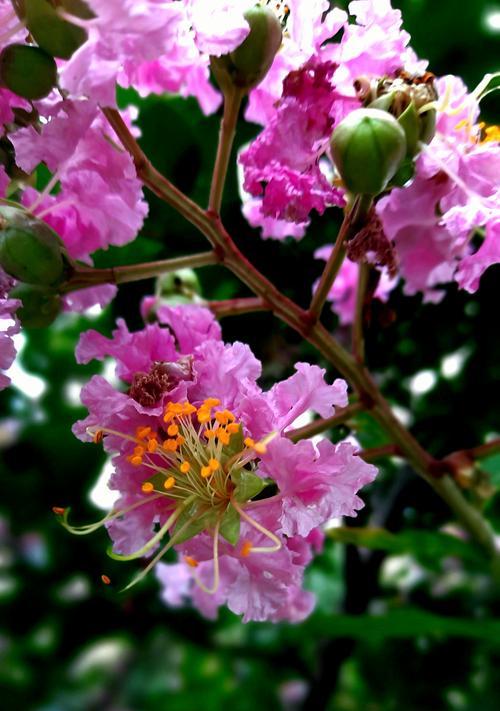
{"x": 203, "y": 464}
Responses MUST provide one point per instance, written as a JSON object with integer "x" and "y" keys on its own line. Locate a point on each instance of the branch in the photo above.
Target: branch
{"x": 358, "y": 339}
{"x": 350, "y": 225}
{"x": 318, "y": 426}
{"x": 232, "y": 104}
{"x": 236, "y": 307}
{"x": 374, "y": 453}
{"x": 84, "y": 277}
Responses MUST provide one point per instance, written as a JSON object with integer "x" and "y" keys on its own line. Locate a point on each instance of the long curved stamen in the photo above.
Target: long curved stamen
{"x": 111, "y": 516}
{"x": 215, "y": 583}
{"x": 156, "y": 538}
{"x": 262, "y": 549}
{"x": 158, "y": 556}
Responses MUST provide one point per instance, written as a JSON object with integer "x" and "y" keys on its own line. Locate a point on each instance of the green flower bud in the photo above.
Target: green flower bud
{"x": 29, "y": 250}
{"x": 40, "y": 305}
{"x": 368, "y": 147}
{"x": 410, "y": 123}
{"x": 27, "y": 71}
{"x": 183, "y": 282}
{"x": 55, "y": 35}
{"x": 248, "y": 64}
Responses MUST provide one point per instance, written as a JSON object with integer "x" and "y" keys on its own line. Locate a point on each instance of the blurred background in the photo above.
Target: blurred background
{"x": 407, "y": 621}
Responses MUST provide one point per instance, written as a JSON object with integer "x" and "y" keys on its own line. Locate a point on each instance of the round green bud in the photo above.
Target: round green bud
{"x": 40, "y": 305}
{"x": 56, "y": 36}
{"x": 248, "y": 64}
{"x": 368, "y": 147}
{"x": 29, "y": 250}
{"x": 183, "y": 282}
{"x": 27, "y": 71}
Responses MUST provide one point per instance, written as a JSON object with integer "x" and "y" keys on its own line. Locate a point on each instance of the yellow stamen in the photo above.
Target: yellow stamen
{"x": 169, "y": 483}
{"x": 147, "y": 487}
{"x": 180, "y": 440}
{"x": 139, "y": 450}
{"x": 191, "y": 561}
{"x": 205, "y": 472}
{"x": 168, "y": 416}
{"x": 233, "y": 428}
{"x": 185, "y": 467}
{"x": 203, "y": 415}
{"x": 246, "y": 549}
{"x": 188, "y": 409}
{"x": 214, "y": 464}
{"x": 210, "y": 434}
{"x": 170, "y": 445}
{"x": 142, "y": 432}
{"x": 136, "y": 460}
{"x": 173, "y": 430}
{"x": 152, "y": 445}
{"x": 211, "y": 402}
{"x": 249, "y": 442}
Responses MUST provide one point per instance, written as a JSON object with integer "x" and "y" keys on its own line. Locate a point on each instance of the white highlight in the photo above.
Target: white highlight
{"x": 491, "y": 21}
{"x": 32, "y": 386}
{"x": 422, "y": 382}
{"x": 101, "y": 496}
{"x": 452, "y": 364}
{"x": 72, "y": 391}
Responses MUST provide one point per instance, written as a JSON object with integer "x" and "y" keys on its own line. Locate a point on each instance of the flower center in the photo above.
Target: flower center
{"x": 203, "y": 468}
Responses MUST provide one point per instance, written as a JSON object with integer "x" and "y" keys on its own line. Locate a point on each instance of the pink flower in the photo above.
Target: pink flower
{"x": 473, "y": 266}
{"x": 455, "y": 191}
{"x": 343, "y": 292}
{"x": 190, "y": 458}
{"x": 9, "y": 326}
{"x": 100, "y": 202}
{"x": 282, "y": 163}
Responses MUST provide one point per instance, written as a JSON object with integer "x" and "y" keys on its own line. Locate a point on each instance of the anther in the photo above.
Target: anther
{"x": 136, "y": 460}
{"x": 191, "y": 561}
{"x": 233, "y": 428}
{"x": 98, "y": 437}
{"x": 185, "y": 467}
{"x": 152, "y": 445}
{"x": 214, "y": 464}
{"x": 205, "y": 472}
{"x": 211, "y": 402}
{"x": 169, "y": 483}
{"x": 170, "y": 445}
{"x": 246, "y": 549}
{"x": 147, "y": 487}
{"x": 106, "y": 580}
{"x": 173, "y": 430}
{"x": 139, "y": 450}
{"x": 142, "y": 432}
{"x": 58, "y": 510}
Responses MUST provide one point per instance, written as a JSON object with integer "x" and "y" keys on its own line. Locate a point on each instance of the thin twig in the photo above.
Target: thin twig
{"x": 236, "y": 307}
{"x": 317, "y": 426}
{"x": 358, "y": 338}
{"x": 351, "y": 223}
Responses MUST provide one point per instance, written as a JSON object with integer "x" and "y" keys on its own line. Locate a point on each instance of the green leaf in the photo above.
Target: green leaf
{"x": 402, "y": 624}
{"x": 230, "y": 525}
{"x": 429, "y": 546}
{"x": 248, "y": 485}
{"x": 55, "y": 35}
{"x": 192, "y": 521}
{"x": 491, "y": 465}
{"x": 489, "y": 84}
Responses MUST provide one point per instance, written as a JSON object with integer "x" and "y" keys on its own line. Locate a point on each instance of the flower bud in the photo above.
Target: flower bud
{"x": 183, "y": 282}
{"x": 27, "y": 71}
{"x": 248, "y": 64}
{"x": 56, "y": 36}
{"x": 368, "y": 147}
{"x": 29, "y": 250}
{"x": 40, "y": 305}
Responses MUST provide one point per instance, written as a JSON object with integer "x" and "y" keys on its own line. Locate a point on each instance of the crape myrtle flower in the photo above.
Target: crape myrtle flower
{"x": 455, "y": 191}
{"x": 203, "y": 465}
{"x": 282, "y": 165}
{"x": 9, "y": 326}
{"x": 100, "y": 201}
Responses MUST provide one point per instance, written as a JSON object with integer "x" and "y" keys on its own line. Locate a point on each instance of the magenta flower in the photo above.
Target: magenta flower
{"x": 454, "y": 192}
{"x": 282, "y": 164}
{"x": 195, "y": 440}
{"x": 9, "y": 326}
{"x": 100, "y": 202}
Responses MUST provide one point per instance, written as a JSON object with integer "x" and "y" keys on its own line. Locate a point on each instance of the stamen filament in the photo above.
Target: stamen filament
{"x": 271, "y": 549}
